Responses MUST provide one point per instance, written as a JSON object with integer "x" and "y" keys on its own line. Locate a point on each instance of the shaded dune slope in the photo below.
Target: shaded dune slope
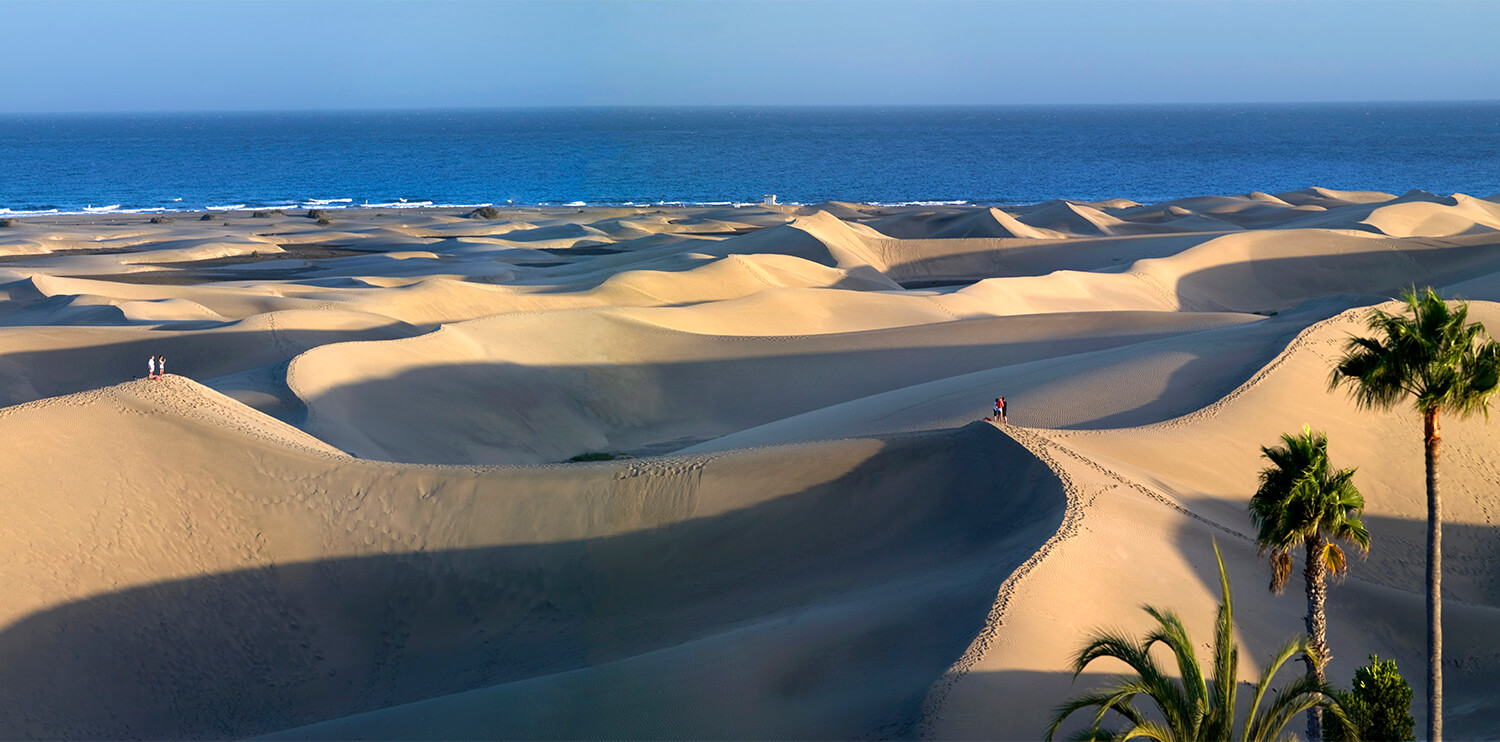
{"x": 160, "y": 607}
{"x": 502, "y": 390}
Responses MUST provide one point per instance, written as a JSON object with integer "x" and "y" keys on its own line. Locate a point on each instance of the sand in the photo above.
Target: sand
{"x": 349, "y": 511}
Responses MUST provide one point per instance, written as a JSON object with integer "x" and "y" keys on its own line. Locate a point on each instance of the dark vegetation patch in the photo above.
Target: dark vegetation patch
{"x": 933, "y": 283}
{"x": 563, "y": 251}
{"x": 484, "y": 212}
{"x": 324, "y": 221}
{"x": 8, "y": 222}
{"x": 162, "y": 220}
{"x": 267, "y": 214}
{"x": 597, "y": 456}
{"x": 208, "y": 217}
{"x": 317, "y": 214}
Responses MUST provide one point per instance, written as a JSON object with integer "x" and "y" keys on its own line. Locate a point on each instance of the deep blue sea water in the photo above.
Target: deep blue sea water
{"x": 652, "y": 155}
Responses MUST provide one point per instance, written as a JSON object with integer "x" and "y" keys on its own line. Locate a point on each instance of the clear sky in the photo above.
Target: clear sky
{"x": 198, "y": 55}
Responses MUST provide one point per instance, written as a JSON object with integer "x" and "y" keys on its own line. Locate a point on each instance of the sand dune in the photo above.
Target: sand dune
{"x": 496, "y": 391}
{"x": 1069, "y": 218}
{"x": 990, "y": 222}
{"x": 1329, "y": 198}
{"x": 1415, "y": 214}
{"x": 1135, "y": 472}
{"x": 346, "y": 512}
{"x": 450, "y": 578}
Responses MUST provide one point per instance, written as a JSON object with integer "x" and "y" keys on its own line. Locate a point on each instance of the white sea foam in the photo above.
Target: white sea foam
{"x": 349, "y": 203}
{"x": 401, "y": 204}
{"x": 960, "y": 202}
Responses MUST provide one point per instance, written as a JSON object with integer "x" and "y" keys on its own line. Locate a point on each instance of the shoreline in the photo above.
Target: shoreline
{"x": 115, "y": 216}
{"x": 428, "y": 207}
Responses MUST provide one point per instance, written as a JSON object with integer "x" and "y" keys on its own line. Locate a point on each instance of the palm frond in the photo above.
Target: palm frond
{"x": 1148, "y": 730}
{"x": 1110, "y": 644}
{"x": 1092, "y": 735}
{"x": 1174, "y": 635}
{"x": 1430, "y": 353}
{"x": 1253, "y": 723}
{"x": 1296, "y": 697}
{"x": 1106, "y": 701}
{"x": 1281, "y": 569}
{"x": 1333, "y": 558}
{"x": 1226, "y": 659}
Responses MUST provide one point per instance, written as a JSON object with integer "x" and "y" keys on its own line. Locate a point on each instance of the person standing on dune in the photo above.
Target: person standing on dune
{"x": 151, "y": 367}
{"x": 1002, "y": 411}
{"x": 161, "y": 366}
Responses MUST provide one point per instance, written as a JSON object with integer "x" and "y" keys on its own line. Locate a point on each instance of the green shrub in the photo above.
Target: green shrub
{"x": 208, "y": 217}
{"x": 316, "y": 214}
{"x": 325, "y": 221}
{"x": 161, "y": 220}
{"x": 267, "y": 214}
{"x": 596, "y": 456}
{"x": 484, "y": 212}
{"x": 8, "y": 222}
{"x": 1379, "y": 705}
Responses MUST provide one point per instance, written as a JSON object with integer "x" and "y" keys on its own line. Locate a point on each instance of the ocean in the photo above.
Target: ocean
{"x": 600, "y": 156}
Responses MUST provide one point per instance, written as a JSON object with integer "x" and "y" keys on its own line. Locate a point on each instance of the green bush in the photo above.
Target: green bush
{"x": 325, "y": 221}
{"x": 1379, "y": 705}
{"x": 8, "y": 222}
{"x": 317, "y": 214}
{"x": 596, "y": 456}
{"x": 161, "y": 220}
{"x": 208, "y": 217}
{"x": 485, "y": 212}
{"x": 267, "y": 214}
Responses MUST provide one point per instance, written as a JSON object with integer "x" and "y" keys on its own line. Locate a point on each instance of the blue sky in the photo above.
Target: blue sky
{"x": 70, "y": 55}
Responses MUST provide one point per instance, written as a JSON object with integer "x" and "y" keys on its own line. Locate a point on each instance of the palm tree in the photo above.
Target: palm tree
{"x": 1432, "y": 354}
{"x": 1302, "y": 502}
{"x": 1193, "y": 708}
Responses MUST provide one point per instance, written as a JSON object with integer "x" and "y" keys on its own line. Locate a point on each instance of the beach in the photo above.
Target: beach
{"x": 719, "y": 471}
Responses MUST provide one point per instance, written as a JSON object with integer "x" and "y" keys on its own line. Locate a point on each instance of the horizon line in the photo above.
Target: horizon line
{"x": 744, "y": 106}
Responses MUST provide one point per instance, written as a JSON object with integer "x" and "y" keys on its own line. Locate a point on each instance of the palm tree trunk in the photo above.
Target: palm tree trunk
{"x": 1433, "y": 437}
{"x": 1317, "y": 625}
